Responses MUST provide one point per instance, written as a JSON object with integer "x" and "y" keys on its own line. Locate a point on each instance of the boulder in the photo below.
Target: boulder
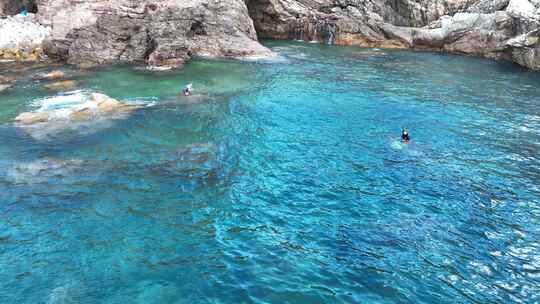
{"x": 6, "y": 82}
{"x": 526, "y": 49}
{"x": 487, "y": 28}
{"x": 5, "y": 79}
{"x": 21, "y": 36}
{"x": 160, "y": 33}
{"x": 166, "y": 34}
{"x": 64, "y": 85}
{"x": 104, "y": 104}
{"x": 29, "y": 118}
{"x": 522, "y": 9}
{"x": 97, "y": 105}
{"x": 50, "y": 76}
{"x": 4, "y": 87}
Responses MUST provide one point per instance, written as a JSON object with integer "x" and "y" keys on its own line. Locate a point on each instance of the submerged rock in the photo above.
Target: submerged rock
{"x": 40, "y": 170}
{"x": 199, "y": 164}
{"x": 193, "y": 99}
{"x": 6, "y": 82}
{"x": 4, "y": 87}
{"x": 65, "y": 85}
{"x": 29, "y": 118}
{"x": 50, "y": 75}
{"x": 68, "y": 117}
{"x": 98, "y": 105}
{"x": 6, "y": 79}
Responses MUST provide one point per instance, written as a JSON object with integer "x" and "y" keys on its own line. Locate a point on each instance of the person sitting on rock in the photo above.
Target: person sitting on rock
{"x": 405, "y": 136}
{"x": 187, "y": 90}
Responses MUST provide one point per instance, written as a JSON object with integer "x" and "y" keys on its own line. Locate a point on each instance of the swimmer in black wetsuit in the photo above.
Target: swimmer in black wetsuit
{"x": 405, "y": 136}
{"x": 187, "y": 90}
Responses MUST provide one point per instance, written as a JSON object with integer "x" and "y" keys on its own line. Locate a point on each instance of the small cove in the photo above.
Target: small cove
{"x": 282, "y": 181}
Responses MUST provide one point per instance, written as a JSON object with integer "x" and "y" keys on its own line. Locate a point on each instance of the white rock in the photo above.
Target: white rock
{"x": 524, "y": 40}
{"x": 522, "y": 9}
{"x": 22, "y": 32}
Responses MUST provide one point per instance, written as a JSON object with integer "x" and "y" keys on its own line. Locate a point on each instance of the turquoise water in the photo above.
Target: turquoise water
{"x": 283, "y": 182}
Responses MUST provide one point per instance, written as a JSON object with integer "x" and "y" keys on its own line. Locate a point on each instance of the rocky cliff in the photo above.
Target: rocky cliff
{"x": 169, "y": 32}
{"x": 161, "y": 33}
{"x": 502, "y": 29}
{"x": 12, "y": 7}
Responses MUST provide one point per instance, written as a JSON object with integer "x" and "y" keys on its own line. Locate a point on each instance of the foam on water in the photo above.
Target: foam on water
{"x": 61, "y": 109}
{"x": 67, "y": 100}
{"x": 77, "y": 100}
{"x": 398, "y": 145}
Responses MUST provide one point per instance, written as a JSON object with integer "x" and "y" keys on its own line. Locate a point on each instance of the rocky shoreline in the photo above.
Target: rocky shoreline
{"x": 167, "y": 34}
{"x": 499, "y": 29}
{"x": 22, "y": 39}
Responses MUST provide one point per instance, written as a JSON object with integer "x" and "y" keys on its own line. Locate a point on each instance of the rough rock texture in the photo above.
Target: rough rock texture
{"x": 4, "y": 87}
{"x": 166, "y": 33}
{"x": 161, "y": 33}
{"x": 13, "y": 7}
{"x": 50, "y": 75}
{"x": 503, "y": 29}
{"x": 5, "y": 83}
{"x": 98, "y": 105}
{"x": 64, "y": 85}
{"x": 21, "y": 38}
{"x": 10, "y": 7}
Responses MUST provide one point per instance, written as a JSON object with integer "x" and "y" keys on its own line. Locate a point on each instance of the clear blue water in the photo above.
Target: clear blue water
{"x": 285, "y": 182}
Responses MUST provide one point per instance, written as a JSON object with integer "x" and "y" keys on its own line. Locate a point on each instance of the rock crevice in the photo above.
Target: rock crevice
{"x": 164, "y": 33}
{"x": 501, "y": 29}
{"x": 167, "y": 33}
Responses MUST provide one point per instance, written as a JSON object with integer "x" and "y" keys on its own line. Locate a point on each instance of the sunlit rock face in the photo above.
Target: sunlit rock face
{"x": 21, "y": 37}
{"x": 97, "y": 105}
{"x": 10, "y": 7}
{"x": 165, "y": 34}
{"x": 75, "y": 113}
{"x": 502, "y": 29}
{"x": 160, "y": 33}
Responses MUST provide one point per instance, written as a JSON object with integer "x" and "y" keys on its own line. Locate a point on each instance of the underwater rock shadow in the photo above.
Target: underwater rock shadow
{"x": 63, "y": 119}
{"x": 192, "y": 167}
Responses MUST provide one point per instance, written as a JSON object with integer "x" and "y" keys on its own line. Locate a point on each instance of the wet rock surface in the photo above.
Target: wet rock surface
{"x": 50, "y": 75}
{"x": 4, "y": 87}
{"x": 6, "y": 82}
{"x": 64, "y": 85}
{"x": 97, "y": 105}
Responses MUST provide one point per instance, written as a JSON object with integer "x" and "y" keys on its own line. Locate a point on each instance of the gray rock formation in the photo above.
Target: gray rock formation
{"x": 502, "y": 29}
{"x": 12, "y": 7}
{"x": 167, "y": 33}
{"x": 161, "y": 33}
{"x": 97, "y": 105}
